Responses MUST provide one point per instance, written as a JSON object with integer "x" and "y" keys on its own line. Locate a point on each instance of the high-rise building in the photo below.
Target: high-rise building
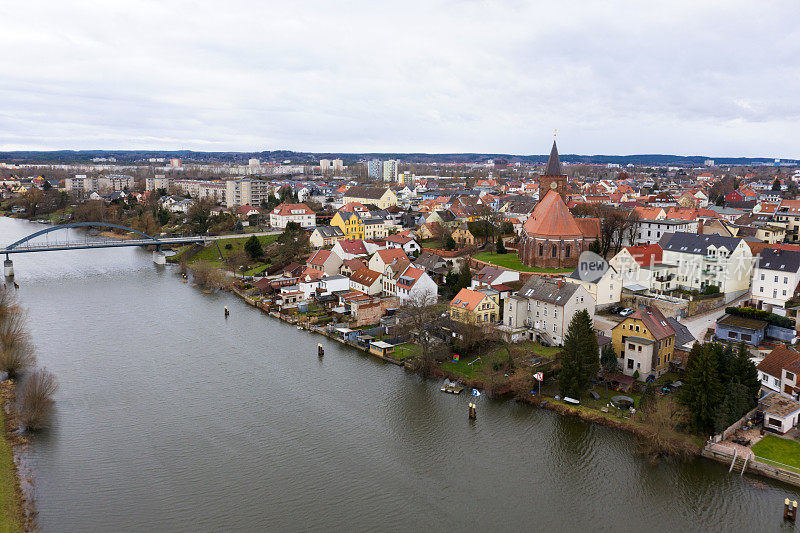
{"x": 159, "y": 181}
{"x": 325, "y": 165}
{"x": 375, "y": 169}
{"x": 246, "y": 191}
{"x": 338, "y": 165}
{"x": 390, "y": 170}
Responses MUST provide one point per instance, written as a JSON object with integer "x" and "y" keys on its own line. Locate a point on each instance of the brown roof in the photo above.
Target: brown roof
{"x": 365, "y": 276}
{"x": 778, "y": 359}
{"x": 551, "y": 218}
{"x": 742, "y": 322}
{"x": 370, "y": 193}
{"x": 590, "y": 227}
{"x": 655, "y": 322}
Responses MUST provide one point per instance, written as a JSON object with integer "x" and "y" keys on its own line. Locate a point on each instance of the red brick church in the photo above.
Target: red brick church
{"x": 552, "y": 237}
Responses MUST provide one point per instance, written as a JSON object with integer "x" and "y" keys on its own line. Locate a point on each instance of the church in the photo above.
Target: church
{"x": 552, "y": 237}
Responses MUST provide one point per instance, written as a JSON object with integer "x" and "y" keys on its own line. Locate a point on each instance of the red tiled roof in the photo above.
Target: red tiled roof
{"x": 778, "y": 359}
{"x": 289, "y": 209}
{"x": 646, "y": 254}
{"x": 655, "y": 322}
{"x": 467, "y": 298}
{"x": 551, "y": 218}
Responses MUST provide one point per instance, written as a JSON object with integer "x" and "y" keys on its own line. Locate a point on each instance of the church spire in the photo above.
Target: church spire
{"x": 553, "y": 163}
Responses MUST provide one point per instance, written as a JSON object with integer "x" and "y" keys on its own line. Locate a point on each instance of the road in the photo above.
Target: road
{"x": 697, "y": 324}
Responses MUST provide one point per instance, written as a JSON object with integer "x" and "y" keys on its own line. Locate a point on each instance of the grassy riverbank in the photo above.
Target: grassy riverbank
{"x": 227, "y": 247}
{"x": 11, "y": 504}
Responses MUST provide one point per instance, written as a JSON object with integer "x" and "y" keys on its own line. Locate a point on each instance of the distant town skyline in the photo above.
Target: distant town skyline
{"x": 684, "y": 78}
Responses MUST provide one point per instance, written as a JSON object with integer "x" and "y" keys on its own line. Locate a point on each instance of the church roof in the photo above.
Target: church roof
{"x": 551, "y": 218}
{"x": 553, "y": 163}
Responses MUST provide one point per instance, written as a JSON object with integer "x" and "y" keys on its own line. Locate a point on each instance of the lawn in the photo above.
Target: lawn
{"x": 211, "y": 253}
{"x": 511, "y": 260}
{"x": 527, "y": 348}
{"x": 784, "y": 451}
{"x": 406, "y": 351}
{"x": 463, "y": 368}
{"x": 9, "y": 510}
{"x": 431, "y": 244}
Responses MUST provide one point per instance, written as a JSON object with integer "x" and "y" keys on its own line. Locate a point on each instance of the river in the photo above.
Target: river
{"x": 171, "y": 417}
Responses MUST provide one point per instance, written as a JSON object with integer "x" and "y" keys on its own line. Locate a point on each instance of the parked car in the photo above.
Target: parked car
{"x": 625, "y": 312}
{"x": 614, "y": 309}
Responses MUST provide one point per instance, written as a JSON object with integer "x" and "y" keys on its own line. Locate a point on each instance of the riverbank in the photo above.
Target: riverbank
{"x": 16, "y": 510}
{"x": 512, "y": 385}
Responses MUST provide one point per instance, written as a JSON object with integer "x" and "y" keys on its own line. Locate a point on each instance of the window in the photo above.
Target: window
{"x": 637, "y": 327}
{"x": 784, "y": 292}
{"x": 555, "y": 251}
{"x": 639, "y": 348}
{"x": 746, "y": 337}
{"x": 776, "y": 279}
{"x": 774, "y": 422}
{"x": 785, "y": 280}
{"x": 732, "y": 335}
{"x": 554, "y": 328}
{"x": 789, "y": 376}
{"x": 630, "y": 364}
{"x": 541, "y": 250}
{"x": 764, "y": 378}
{"x": 631, "y": 347}
{"x": 566, "y": 251}
{"x": 776, "y": 382}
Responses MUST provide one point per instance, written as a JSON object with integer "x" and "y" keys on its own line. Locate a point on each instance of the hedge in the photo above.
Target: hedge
{"x": 760, "y": 314}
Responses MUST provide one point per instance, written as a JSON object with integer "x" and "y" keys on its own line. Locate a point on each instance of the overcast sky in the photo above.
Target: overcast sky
{"x": 682, "y": 77}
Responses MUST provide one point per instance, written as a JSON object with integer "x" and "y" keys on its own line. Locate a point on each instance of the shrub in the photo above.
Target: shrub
{"x": 253, "y": 247}
{"x": 16, "y": 348}
{"x": 711, "y": 289}
{"x": 760, "y": 314}
{"x": 229, "y": 246}
{"x": 35, "y": 399}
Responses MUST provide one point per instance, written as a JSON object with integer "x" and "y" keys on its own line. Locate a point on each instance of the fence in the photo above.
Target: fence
{"x": 735, "y": 426}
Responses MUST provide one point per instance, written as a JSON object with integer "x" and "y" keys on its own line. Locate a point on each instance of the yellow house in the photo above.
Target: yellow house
{"x": 351, "y": 224}
{"x": 644, "y": 343}
{"x": 382, "y": 197}
{"x": 463, "y": 237}
{"x": 474, "y": 307}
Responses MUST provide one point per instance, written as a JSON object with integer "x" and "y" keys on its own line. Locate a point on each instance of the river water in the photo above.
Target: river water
{"x": 171, "y": 417}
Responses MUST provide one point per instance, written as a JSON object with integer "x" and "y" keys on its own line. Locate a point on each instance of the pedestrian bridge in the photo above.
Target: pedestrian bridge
{"x": 27, "y": 244}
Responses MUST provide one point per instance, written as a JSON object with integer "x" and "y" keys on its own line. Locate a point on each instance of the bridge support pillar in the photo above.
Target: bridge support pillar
{"x": 159, "y": 257}
{"x": 8, "y": 268}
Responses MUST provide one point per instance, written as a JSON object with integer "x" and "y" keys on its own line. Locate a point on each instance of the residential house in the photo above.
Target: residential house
{"x": 463, "y": 236}
{"x": 434, "y": 265}
{"x": 490, "y": 276}
{"x": 474, "y": 307}
{"x": 350, "y": 223}
{"x": 778, "y": 371}
{"x": 780, "y": 412}
{"x": 411, "y": 284}
{"x": 346, "y": 249}
{"x": 404, "y": 242}
{"x": 604, "y": 283}
{"x": 644, "y": 343}
{"x": 642, "y": 268}
{"x": 366, "y": 281}
{"x": 542, "y": 309}
{"x": 381, "y": 258}
{"x": 704, "y": 260}
{"x": 776, "y": 277}
{"x": 323, "y": 236}
{"x": 325, "y": 261}
{"x": 300, "y": 214}
{"x": 382, "y": 197}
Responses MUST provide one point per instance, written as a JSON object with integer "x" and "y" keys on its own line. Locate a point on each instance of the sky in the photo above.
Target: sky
{"x": 681, "y": 77}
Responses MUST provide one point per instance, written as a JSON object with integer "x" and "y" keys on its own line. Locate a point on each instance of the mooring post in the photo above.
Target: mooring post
{"x": 320, "y": 350}
{"x": 227, "y": 313}
{"x": 789, "y": 510}
{"x": 8, "y": 267}
{"x": 473, "y": 411}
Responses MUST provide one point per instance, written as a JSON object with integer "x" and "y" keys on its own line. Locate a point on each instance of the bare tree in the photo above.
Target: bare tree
{"x": 35, "y": 399}
{"x": 420, "y": 316}
{"x": 661, "y": 422}
{"x": 16, "y": 347}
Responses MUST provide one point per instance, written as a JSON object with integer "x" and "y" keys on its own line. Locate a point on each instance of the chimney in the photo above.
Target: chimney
{"x": 560, "y": 282}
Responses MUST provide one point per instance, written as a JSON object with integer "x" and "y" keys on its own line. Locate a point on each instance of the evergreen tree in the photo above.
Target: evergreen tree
{"x": 776, "y": 185}
{"x": 596, "y": 247}
{"x": 702, "y": 389}
{"x": 608, "y": 359}
{"x": 464, "y": 276}
{"x": 501, "y": 248}
{"x": 449, "y": 243}
{"x": 253, "y": 248}
{"x": 743, "y": 371}
{"x": 579, "y": 361}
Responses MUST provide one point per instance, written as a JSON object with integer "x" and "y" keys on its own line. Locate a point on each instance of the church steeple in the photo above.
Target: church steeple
{"x": 553, "y": 163}
{"x": 553, "y": 178}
